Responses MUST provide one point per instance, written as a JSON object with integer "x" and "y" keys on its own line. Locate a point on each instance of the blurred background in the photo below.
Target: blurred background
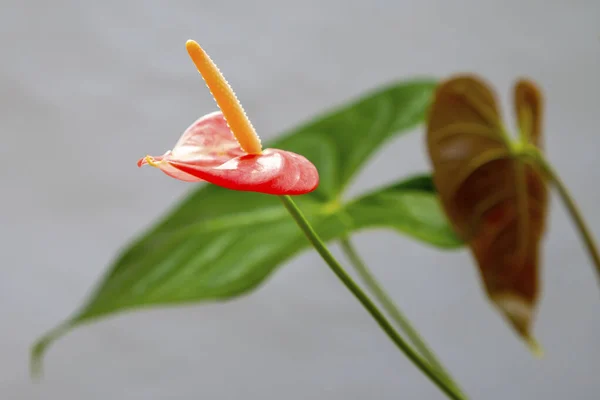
{"x": 86, "y": 88}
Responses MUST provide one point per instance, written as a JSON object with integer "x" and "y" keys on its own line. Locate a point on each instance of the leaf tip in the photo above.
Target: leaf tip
{"x": 535, "y": 347}
{"x": 39, "y": 348}
{"x": 36, "y": 359}
{"x": 519, "y": 312}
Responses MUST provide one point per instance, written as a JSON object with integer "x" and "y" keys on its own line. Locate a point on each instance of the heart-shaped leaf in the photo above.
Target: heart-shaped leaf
{"x": 218, "y": 244}
{"x": 496, "y": 200}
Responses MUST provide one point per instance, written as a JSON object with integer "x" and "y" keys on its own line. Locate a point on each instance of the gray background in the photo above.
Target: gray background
{"x": 88, "y": 87}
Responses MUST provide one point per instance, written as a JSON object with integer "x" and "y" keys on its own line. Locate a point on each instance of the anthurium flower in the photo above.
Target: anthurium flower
{"x": 223, "y": 148}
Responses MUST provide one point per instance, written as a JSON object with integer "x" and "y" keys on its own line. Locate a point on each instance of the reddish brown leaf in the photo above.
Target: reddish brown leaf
{"x": 495, "y": 201}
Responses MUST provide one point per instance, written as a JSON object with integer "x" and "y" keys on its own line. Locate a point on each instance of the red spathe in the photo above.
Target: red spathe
{"x": 208, "y": 151}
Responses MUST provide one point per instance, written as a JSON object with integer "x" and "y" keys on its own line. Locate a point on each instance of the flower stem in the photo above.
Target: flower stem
{"x": 576, "y": 215}
{"x": 394, "y": 312}
{"x": 367, "y": 303}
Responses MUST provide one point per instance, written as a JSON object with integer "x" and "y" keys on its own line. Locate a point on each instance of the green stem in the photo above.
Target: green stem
{"x": 388, "y": 305}
{"x": 576, "y": 215}
{"x": 367, "y": 303}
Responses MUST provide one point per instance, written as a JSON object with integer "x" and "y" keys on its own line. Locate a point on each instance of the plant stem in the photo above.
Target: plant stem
{"x": 395, "y": 313}
{"x": 576, "y": 215}
{"x": 367, "y": 303}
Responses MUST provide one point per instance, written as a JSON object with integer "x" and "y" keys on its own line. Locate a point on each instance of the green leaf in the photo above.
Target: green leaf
{"x": 411, "y": 207}
{"x": 341, "y": 141}
{"x": 217, "y": 244}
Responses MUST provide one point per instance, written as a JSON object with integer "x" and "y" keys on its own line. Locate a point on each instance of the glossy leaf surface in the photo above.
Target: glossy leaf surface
{"x": 217, "y": 243}
{"x": 496, "y": 201}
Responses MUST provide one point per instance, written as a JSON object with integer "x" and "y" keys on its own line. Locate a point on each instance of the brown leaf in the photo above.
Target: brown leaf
{"x": 495, "y": 201}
